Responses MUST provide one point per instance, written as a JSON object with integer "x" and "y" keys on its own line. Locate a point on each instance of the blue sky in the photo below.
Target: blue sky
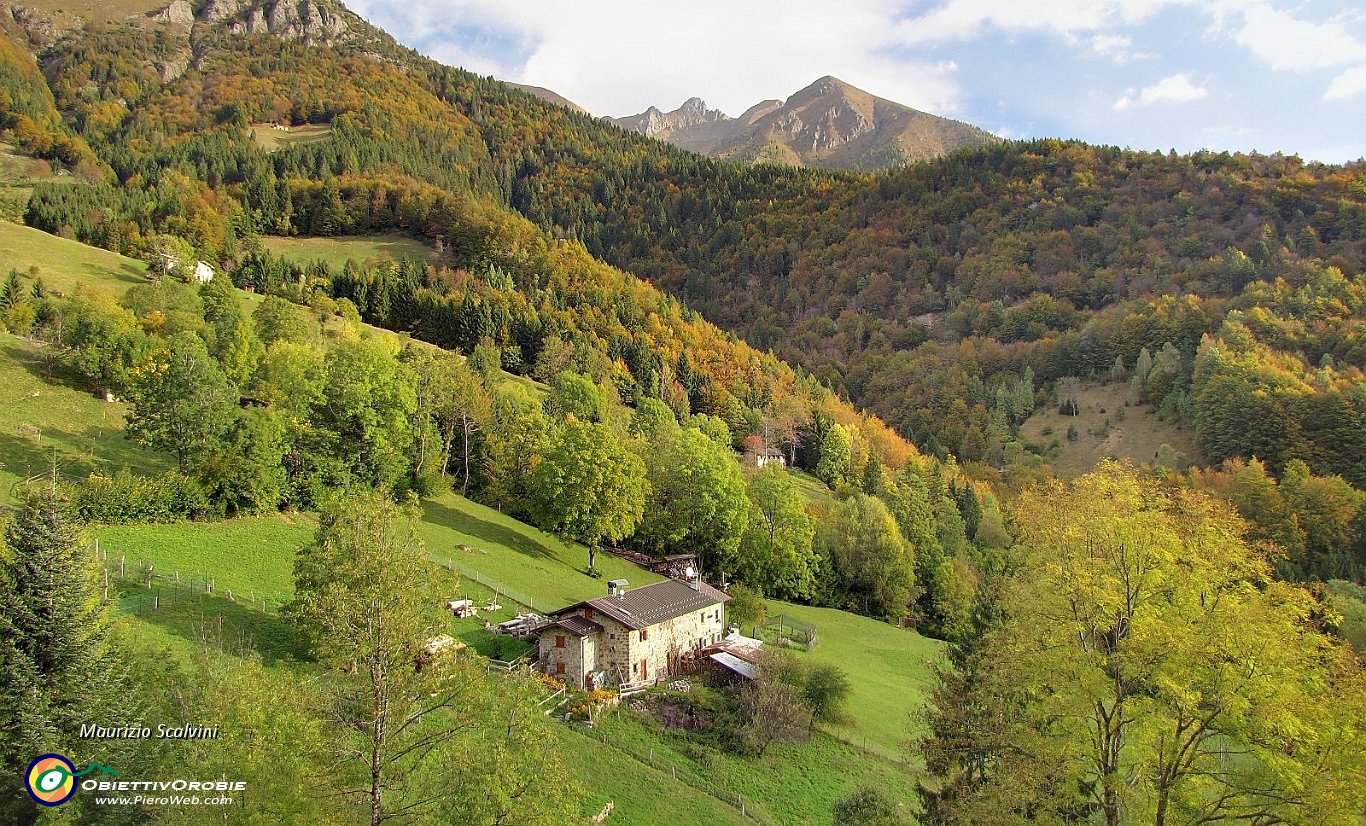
{"x": 1265, "y": 75}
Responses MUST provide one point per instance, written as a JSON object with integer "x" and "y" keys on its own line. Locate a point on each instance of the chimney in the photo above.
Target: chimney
{"x": 617, "y": 587}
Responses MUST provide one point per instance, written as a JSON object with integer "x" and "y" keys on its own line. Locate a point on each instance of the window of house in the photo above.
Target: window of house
{"x": 588, "y": 612}
{"x": 559, "y": 668}
{"x": 644, "y": 634}
{"x": 559, "y": 640}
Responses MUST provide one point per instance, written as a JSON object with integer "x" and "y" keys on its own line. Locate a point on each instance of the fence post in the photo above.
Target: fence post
{"x": 123, "y": 558}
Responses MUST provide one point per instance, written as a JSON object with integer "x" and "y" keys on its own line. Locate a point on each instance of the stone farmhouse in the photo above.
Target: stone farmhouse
{"x": 632, "y": 638}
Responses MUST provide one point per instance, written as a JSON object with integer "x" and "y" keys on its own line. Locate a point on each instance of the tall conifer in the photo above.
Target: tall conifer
{"x": 58, "y": 666}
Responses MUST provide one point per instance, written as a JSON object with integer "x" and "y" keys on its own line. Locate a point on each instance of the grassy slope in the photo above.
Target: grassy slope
{"x": 888, "y": 670}
{"x": 254, "y": 557}
{"x": 269, "y": 138}
{"x": 1134, "y": 432}
{"x": 335, "y": 251}
{"x": 38, "y": 417}
{"x": 814, "y": 490}
{"x": 524, "y": 559}
{"x": 63, "y": 265}
{"x": 95, "y": 10}
{"x": 85, "y": 432}
{"x": 790, "y": 783}
{"x": 248, "y": 555}
{"x": 18, "y": 173}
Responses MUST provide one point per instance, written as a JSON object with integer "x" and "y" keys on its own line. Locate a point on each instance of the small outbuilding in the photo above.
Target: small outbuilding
{"x": 763, "y": 457}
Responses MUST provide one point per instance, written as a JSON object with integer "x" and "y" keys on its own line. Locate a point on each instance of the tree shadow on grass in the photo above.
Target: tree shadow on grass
{"x": 448, "y": 517}
{"x": 27, "y": 353}
{"x": 215, "y": 621}
{"x": 125, "y": 273}
{"x": 78, "y": 454}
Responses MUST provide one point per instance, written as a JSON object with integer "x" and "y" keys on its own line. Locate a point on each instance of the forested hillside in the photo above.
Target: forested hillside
{"x": 597, "y": 334}
{"x": 951, "y": 297}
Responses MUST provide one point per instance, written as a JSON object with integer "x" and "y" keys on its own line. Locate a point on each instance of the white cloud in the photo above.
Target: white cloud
{"x": 1349, "y": 84}
{"x": 617, "y": 57}
{"x": 1285, "y": 42}
{"x": 1177, "y": 88}
{"x": 1119, "y": 48}
{"x": 962, "y": 19}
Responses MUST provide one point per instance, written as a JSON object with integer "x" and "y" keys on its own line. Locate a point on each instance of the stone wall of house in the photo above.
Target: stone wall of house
{"x": 613, "y": 649}
{"x": 609, "y": 651}
{"x": 572, "y": 655}
{"x": 668, "y": 640}
{"x": 618, "y": 649}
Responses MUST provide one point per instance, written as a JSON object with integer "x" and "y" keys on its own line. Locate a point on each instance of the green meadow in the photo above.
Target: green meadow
{"x": 335, "y": 251}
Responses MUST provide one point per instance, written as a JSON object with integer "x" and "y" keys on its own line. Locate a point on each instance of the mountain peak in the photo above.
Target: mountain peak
{"x": 829, "y": 123}
{"x": 664, "y": 125}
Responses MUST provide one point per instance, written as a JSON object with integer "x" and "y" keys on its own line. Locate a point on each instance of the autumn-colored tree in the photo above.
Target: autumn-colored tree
{"x": 1147, "y": 669}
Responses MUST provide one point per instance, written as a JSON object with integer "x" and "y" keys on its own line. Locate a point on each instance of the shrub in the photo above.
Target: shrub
{"x": 124, "y": 498}
{"x": 746, "y": 607}
{"x": 867, "y": 807}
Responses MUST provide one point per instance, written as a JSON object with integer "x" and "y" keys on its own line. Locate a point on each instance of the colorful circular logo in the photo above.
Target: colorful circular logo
{"x": 51, "y": 779}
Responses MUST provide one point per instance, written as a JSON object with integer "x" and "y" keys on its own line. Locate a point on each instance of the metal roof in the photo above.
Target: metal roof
{"x": 642, "y": 607}
{"x": 730, "y": 662}
{"x": 576, "y": 625}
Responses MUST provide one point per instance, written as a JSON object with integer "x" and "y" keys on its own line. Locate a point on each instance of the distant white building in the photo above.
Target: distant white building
{"x": 201, "y": 274}
{"x": 764, "y": 457}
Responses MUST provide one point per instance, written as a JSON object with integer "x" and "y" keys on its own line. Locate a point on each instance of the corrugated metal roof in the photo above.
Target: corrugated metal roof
{"x": 642, "y": 607}
{"x": 580, "y": 626}
{"x": 749, "y": 671}
{"x": 576, "y": 625}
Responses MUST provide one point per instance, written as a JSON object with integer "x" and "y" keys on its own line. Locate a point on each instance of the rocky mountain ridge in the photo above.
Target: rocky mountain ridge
{"x": 829, "y": 124}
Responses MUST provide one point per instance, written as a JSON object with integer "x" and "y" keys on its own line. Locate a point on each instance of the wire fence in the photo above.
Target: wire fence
{"x": 787, "y": 632}
{"x": 140, "y": 586}
{"x": 498, "y": 589}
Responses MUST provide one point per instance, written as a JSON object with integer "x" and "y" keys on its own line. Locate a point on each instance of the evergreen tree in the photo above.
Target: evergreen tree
{"x": 13, "y": 291}
{"x": 59, "y": 667}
